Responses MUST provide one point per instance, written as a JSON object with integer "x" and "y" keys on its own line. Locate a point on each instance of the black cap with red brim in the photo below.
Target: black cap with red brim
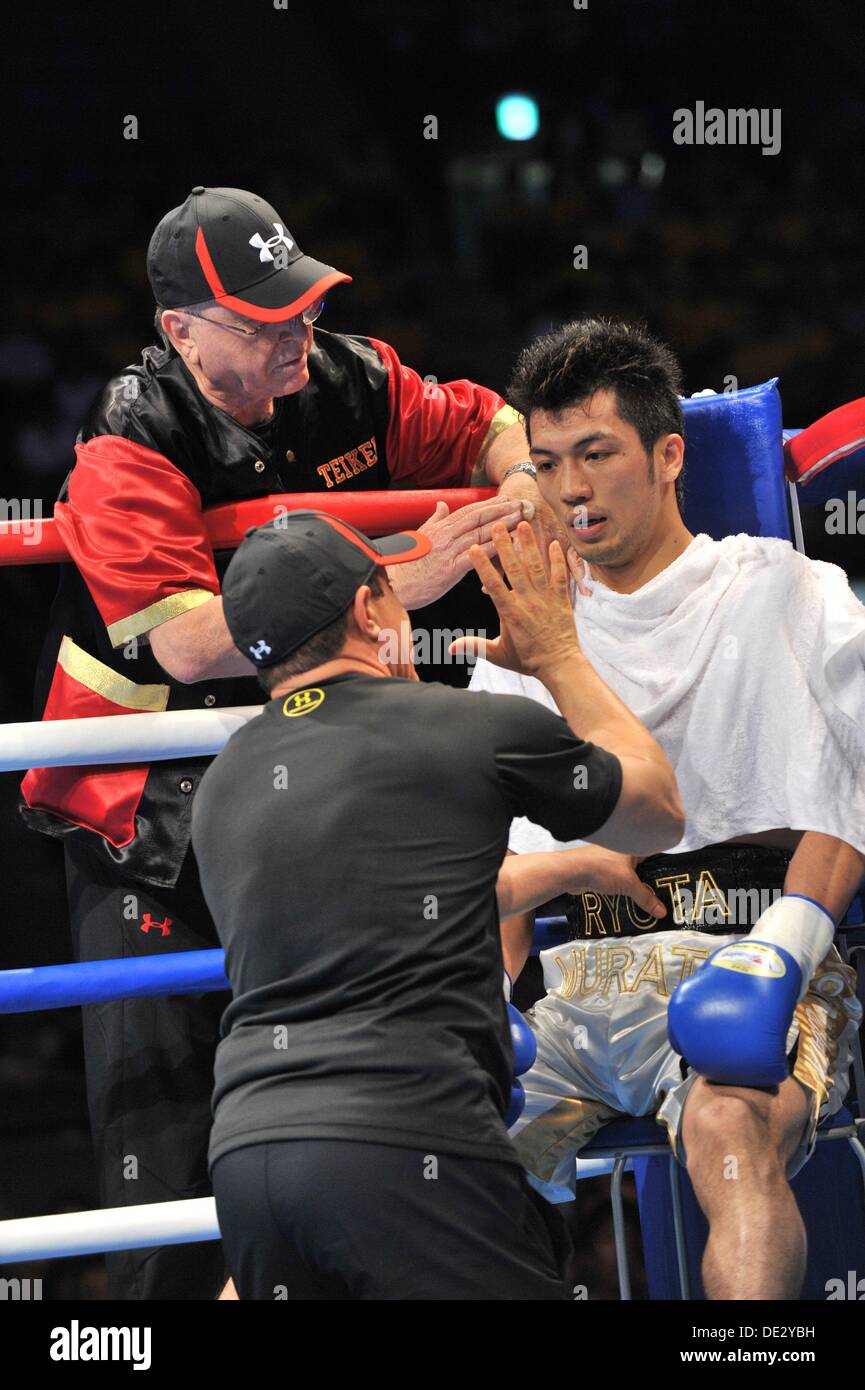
{"x": 231, "y": 246}
{"x": 296, "y": 575}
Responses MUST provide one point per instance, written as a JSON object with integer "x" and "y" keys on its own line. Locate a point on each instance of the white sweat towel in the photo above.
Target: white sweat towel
{"x": 746, "y": 661}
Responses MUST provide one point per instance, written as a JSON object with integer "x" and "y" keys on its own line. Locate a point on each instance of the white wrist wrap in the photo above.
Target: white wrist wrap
{"x": 508, "y": 987}
{"x": 803, "y": 929}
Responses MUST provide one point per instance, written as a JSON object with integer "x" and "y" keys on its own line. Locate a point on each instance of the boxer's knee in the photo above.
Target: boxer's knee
{"x": 730, "y": 1137}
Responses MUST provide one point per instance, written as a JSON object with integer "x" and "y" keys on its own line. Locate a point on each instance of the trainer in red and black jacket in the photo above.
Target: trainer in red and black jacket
{"x": 155, "y": 452}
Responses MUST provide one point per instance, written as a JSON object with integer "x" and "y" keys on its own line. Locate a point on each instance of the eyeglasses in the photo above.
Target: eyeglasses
{"x": 306, "y": 317}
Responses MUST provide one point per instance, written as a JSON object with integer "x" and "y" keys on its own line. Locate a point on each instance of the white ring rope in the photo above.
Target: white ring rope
{"x": 120, "y": 1228}
{"x": 120, "y": 738}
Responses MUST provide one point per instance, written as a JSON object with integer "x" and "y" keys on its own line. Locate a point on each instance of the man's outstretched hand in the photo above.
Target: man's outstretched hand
{"x": 537, "y": 621}
{"x": 453, "y": 535}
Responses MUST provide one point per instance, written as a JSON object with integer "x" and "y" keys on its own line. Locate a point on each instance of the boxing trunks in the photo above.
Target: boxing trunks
{"x": 601, "y": 1028}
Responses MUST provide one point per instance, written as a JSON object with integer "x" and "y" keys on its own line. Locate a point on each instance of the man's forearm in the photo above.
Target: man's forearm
{"x": 827, "y": 869}
{"x": 516, "y": 936}
{"x": 508, "y": 448}
{"x": 527, "y": 880}
{"x": 595, "y": 713}
{"x": 410, "y": 588}
{"x": 197, "y": 646}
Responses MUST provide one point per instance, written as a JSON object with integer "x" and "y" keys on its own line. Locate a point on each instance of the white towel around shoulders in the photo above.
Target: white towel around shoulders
{"x": 746, "y": 661}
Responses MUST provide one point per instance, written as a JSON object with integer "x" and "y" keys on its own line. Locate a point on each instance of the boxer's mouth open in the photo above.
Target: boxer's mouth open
{"x": 587, "y": 524}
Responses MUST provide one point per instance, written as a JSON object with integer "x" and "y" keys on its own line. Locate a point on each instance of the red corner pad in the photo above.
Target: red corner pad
{"x": 830, "y": 438}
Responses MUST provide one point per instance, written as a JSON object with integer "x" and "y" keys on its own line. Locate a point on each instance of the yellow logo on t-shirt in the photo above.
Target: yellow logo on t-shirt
{"x": 302, "y": 702}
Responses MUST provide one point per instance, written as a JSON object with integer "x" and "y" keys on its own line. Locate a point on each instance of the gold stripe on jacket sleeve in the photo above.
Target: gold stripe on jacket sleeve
{"x": 156, "y": 613}
{"x": 89, "y": 672}
{"x": 504, "y": 417}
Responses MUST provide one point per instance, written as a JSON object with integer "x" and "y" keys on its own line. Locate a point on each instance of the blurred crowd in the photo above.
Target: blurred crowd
{"x": 742, "y": 279}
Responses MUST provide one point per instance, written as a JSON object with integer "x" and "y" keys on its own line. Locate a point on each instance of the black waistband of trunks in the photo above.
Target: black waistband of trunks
{"x": 719, "y": 889}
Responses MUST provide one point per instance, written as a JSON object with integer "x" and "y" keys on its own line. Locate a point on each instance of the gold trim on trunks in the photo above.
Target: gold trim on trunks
{"x": 156, "y": 613}
{"x": 87, "y": 671}
{"x": 822, "y": 1018}
{"x": 672, "y": 1132}
{"x": 504, "y": 417}
{"x": 560, "y": 1133}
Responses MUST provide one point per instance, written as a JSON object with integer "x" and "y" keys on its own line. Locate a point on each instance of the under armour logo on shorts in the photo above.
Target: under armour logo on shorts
{"x": 264, "y": 247}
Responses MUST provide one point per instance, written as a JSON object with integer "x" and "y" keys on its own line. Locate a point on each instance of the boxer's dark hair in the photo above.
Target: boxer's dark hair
{"x": 571, "y": 363}
{"x": 322, "y": 647}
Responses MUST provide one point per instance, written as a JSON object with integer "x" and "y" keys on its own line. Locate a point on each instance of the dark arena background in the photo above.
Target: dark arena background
{"x": 381, "y": 130}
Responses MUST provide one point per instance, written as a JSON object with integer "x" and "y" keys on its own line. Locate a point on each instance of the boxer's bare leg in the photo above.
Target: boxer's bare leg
{"x": 738, "y": 1142}
{"x": 229, "y": 1292}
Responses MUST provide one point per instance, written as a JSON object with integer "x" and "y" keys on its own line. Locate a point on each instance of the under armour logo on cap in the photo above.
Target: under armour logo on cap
{"x": 261, "y": 649}
{"x": 263, "y": 247}
{"x": 200, "y": 251}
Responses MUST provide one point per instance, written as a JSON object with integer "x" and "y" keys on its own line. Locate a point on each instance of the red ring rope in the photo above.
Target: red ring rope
{"x": 37, "y": 542}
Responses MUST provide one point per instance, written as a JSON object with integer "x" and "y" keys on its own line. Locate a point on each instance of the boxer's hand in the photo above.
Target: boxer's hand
{"x": 537, "y": 621}
{"x": 453, "y": 534}
{"x": 730, "y": 1020}
{"x": 592, "y": 869}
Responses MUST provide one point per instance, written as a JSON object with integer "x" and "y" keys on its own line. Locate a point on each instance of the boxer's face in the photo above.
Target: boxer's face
{"x": 594, "y": 472}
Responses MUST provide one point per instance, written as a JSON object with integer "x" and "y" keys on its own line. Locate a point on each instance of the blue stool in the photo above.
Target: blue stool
{"x": 614, "y": 1150}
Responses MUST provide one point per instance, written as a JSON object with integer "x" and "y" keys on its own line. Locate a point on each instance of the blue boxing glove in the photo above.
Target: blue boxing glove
{"x": 517, "y": 1104}
{"x": 523, "y": 1042}
{"x": 730, "y": 1020}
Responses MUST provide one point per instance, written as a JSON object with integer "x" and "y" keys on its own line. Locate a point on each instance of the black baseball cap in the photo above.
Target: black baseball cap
{"x": 232, "y": 246}
{"x": 292, "y": 577}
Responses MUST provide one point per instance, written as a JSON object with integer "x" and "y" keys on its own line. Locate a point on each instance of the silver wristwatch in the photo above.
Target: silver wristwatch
{"x": 521, "y": 468}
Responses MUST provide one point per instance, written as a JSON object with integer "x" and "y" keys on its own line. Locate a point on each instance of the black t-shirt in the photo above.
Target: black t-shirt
{"x": 349, "y": 840}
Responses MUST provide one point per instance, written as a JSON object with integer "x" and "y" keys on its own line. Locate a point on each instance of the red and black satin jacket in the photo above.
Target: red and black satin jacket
{"x": 152, "y": 454}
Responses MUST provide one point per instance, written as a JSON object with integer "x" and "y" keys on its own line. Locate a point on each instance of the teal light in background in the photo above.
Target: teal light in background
{"x": 517, "y": 116}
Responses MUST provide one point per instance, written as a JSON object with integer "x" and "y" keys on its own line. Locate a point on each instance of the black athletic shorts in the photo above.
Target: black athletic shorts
{"x": 337, "y": 1219}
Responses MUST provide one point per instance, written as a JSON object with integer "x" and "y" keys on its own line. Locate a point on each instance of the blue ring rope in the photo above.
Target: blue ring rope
{"x": 98, "y": 981}
{"x": 179, "y": 972}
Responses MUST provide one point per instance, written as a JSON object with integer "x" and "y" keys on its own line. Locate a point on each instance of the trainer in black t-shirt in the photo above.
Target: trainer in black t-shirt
{"x": 349, "y": 840}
